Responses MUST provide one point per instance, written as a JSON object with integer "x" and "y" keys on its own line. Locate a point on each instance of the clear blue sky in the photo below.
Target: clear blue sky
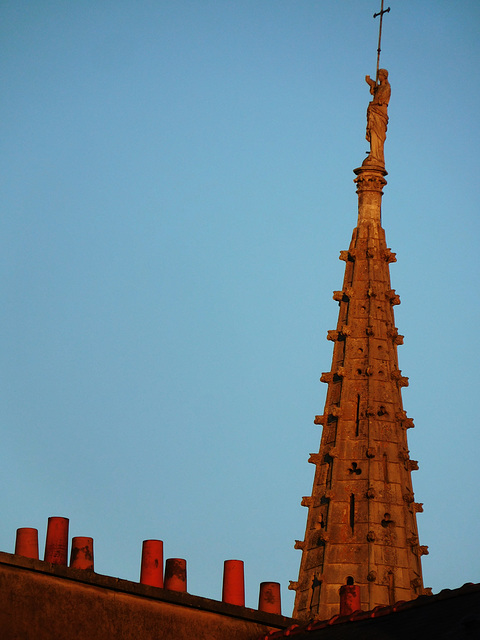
{"x": 176, "y": 185}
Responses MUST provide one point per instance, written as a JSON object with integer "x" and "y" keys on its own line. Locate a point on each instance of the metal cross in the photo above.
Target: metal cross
{"x": 380, "y": 13}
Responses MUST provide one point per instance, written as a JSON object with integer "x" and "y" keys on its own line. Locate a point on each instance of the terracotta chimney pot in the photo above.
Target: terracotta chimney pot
{"x": 176, "y": 574}
{"x": 151, "y": 571}
{"x": 26, "y": 543}
{"x": 269, "y": 599}
{"x": 349, "y": 599}
{"x": 233, "y": 582}
{"x": 56, "y": 543}
{"x": 81, "y": 556}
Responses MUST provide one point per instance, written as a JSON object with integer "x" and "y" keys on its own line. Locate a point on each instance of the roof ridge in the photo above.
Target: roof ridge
{"x": 376, "y": 612}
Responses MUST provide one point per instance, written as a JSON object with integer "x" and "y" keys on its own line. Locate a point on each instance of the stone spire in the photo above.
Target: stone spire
{"x": 361, "y": 525}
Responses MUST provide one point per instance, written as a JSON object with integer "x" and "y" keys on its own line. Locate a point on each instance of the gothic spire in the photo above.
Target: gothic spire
{"x": 361, "y": 525}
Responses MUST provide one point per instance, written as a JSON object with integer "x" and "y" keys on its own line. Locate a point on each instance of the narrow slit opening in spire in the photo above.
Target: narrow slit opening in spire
{"x": 352, "y": 513}
{"x": 357, "y": 418}
{"x": 385, "y": 467}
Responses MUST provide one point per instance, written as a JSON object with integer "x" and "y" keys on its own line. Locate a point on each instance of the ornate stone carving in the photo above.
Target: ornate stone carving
{"x": 370, "y": 493}
{"x": 372, "y": 576}
{"x": 307, "y": 501}
{"x": 346, "y": 331}
{"x": 320, "y": 420}
{"x": 315, "y": 458}
{"x": 377, "y": 118}
{"x": 369, "y": 181}
{"x": 406, "y": 423}
{"x": 371, "y": 537}
{"x": 417, "y": 507}
{"x": 402, "y": 381}
{"x": 322, "y": 536}
{"x": 332, "y": 335}
{"x": 327, "y": 377}
{"x": 389, "y": 256}
{"x": 344, "y": 255}
{"x": 393, "y": 333}
{"x": 370, "y": 452}
{"x": 299, "y": 544}
{"x": 393, "y": 297}
{"x": 292, "y": 585}
{"x": 412, "y": 541}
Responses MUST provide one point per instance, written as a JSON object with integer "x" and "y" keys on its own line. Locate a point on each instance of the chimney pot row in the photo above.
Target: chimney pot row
{"x": 151, "y": 572}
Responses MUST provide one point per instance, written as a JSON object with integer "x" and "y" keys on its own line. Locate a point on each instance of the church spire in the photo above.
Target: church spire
{"x": 361, "y": 524}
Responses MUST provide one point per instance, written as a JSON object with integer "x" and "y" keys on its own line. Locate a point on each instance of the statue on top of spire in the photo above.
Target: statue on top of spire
{"x": 377, "y": 118}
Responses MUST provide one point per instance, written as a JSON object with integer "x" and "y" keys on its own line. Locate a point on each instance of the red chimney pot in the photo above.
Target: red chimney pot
{"x": 81, "y": 556}
{"x": 56, "y": 543}
{"x": 233, "y": 582}
{"x": 26, "y": 543}
{"x": 151, "y": 571}
{"x": 176, "y": 574}
{"x": 349, "y": 599}
{"x": 269, "y": 599}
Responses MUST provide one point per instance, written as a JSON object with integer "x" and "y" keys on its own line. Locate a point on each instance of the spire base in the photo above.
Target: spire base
{"x": 370, "y": 181}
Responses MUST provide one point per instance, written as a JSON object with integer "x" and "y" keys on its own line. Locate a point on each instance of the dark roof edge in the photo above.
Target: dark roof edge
{"x": 145, "y": 591}
{"x": 303, "y": 627}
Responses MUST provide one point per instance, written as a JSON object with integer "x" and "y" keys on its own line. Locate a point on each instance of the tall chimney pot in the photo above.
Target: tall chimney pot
{"x": 151, "y": 571}
{"x": 56, "y": 543}
{"x": 233, "y": 582}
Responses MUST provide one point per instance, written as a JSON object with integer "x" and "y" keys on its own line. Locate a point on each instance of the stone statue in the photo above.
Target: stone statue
{"x": 377, "y": 118}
